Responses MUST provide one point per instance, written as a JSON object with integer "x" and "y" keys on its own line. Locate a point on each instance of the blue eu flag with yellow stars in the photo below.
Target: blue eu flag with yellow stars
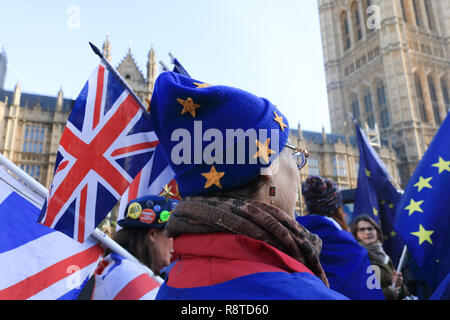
{"x": 423, "y": 214}
{"x": 376, "y": 196}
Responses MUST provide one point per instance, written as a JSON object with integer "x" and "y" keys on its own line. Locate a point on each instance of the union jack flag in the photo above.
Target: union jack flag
{"x": 107, "y": 140}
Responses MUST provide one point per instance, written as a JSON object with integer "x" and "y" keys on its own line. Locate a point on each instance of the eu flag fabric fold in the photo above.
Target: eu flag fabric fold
{"x": 344, "y": 261}
{"x": 178, "y": 68}
{"x": 376, "y": 196}
{"x": 36, "y": 262}
{"x": 423, "y": 214}
{"x": 107, "y": 140}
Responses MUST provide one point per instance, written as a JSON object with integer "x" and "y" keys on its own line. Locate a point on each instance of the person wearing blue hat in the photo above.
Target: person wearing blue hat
{"x": 235, "y": 236}
{"x": 344, "y": 261}
{"x": 142, "y": 235}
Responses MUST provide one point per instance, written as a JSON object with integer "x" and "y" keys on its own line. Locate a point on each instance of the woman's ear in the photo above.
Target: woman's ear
{"x": 151, "y": 234}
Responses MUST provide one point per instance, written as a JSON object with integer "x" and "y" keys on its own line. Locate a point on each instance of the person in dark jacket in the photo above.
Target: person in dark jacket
{"x": 344, "y": 261}
{"x": 235, "y": 236}
{"x": 368, "y": 233}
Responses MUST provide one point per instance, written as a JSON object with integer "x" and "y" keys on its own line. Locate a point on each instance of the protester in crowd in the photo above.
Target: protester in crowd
{"x": 368, "y": 233}
{"x": 142, "y": 235}
{"x": 344, "y": 261}
{"x": 235, "y": 236}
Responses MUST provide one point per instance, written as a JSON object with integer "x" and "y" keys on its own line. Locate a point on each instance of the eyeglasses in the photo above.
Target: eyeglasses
{"x": 369, "y": 229}
{"x": 300, "y": 155}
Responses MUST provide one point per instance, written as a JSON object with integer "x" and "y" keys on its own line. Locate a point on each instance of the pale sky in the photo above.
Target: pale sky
{"x": 270, "y": 48}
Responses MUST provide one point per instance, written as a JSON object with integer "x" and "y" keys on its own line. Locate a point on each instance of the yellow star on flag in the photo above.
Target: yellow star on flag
{"x": 375, "y": 211}
{"x": 368, "y": 173}
{"x": 279, "y": 120}
{"x": 167, "y": 192}
{"x": 442, "y": 165}
{"x": 213, "y": 178}
{"x": 263, "y": 150}
{"x": 201, "y": 85}
{"x": 393, "y": 234}
{"x": 391, "y": 205}
{"x": 423, "y": 183}
{"x": 188, "y": 106}
{"x": 424, "y": 235}
{"x": 414, "y": 206}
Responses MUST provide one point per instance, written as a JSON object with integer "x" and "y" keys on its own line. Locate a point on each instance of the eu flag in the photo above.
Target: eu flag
{"x": 423, "y": 214}
{"x": 376, "y": 196}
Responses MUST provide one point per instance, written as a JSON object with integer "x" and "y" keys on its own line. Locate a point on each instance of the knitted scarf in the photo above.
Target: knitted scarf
{"x": 376, "y": 252}
{"x": 250, "y": 218}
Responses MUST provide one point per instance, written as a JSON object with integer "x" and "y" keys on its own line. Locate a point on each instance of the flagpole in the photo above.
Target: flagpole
{"x": 402, "y": 259}
{"x": 98, "y": 235}
{"x": 117, "y": 74}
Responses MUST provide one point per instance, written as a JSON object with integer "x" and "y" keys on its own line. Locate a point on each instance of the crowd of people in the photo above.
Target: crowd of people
{"x": 235, "y": 234}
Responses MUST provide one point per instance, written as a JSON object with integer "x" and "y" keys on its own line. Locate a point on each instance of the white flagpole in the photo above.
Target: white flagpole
{"x": 98, "y": 235}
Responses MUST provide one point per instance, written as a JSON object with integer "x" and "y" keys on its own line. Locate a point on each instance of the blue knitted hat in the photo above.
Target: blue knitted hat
{"x": 214, "y": 137}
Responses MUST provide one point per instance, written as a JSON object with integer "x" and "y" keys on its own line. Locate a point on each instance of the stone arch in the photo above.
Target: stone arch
{"x": 443, "y": 81}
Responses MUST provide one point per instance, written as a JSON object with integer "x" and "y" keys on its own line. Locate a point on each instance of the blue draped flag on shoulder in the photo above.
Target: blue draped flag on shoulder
{"x": 423, "y": 214}
{"x": 376, "y": 196}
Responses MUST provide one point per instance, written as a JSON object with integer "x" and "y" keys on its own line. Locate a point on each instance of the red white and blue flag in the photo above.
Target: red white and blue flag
{"x": 107, "y": 141}
{"x": 121, "y": 279}
{"x": 37, "y": 262}
{"x": 150, "y": 181}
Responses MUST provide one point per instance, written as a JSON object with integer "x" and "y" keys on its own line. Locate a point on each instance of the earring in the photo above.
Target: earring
{"x": 272, "y": 191}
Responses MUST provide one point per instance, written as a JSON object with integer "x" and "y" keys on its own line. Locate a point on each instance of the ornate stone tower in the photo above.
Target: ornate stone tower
{"x": 387, "y": 63}
{"x": 129, "y": 70}
{"x": 3, "y": 67}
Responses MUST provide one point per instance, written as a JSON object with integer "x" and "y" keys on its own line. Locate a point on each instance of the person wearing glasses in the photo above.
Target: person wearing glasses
{"x": 368, "y": 233}
{"x": 234, "y": 233}
{"x": 345, "y": 261}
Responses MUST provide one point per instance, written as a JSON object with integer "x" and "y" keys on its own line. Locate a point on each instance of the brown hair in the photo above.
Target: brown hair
{"x": 358, "y": 219}
{"x": 137, "y": 242}
{"x": 339, "y": 216}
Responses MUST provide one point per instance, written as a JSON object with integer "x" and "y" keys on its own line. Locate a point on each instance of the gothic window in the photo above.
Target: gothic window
{"x": 419, "y": 98}
{"x": 382, "y": 105}
{"x": 430, "y": 15}
{"x": 33, "y": 139}
{"x": 313, "y": 166}
{"x": 355, "y": 107}
{"x": 339, "y": 166}
{"x": 405, "y": 15}
{"x": 434, "y": 101}
{"x": 445, "y": 95}
{"x": 366, "y": 5}
{"x": 356, "y": 21}
{"x": 345, "y": 31}
{"x": 417, "y": 12}
{"x": 368, "y": 104}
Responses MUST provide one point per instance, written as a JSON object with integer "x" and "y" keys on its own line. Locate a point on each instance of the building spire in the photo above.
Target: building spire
{"x": 151, "y": 69}
{"x": 3, "y": 67}
{"x": 107, "y": 48}
{"x": 16, "y": 95}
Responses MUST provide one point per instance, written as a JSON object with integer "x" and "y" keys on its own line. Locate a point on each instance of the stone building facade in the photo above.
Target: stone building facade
{"x": 387, "y": 63}
{"x": 31, "y": 125}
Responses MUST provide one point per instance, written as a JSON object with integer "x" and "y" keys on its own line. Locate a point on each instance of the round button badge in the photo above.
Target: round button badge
{"x": 134, "y": 210}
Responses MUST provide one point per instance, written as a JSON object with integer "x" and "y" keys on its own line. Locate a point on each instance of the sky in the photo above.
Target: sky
{"x": 270, "y": 48}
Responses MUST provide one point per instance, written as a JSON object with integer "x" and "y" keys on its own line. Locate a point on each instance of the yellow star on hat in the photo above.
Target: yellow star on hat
{"x": 279, "y": 120}
{"x": 188, "y": 106}
{"x": 201, "y": 85}
{"x": 167, "y": 192}
{"x": 263, "y": 150}
{"x": 213, "y": 178}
